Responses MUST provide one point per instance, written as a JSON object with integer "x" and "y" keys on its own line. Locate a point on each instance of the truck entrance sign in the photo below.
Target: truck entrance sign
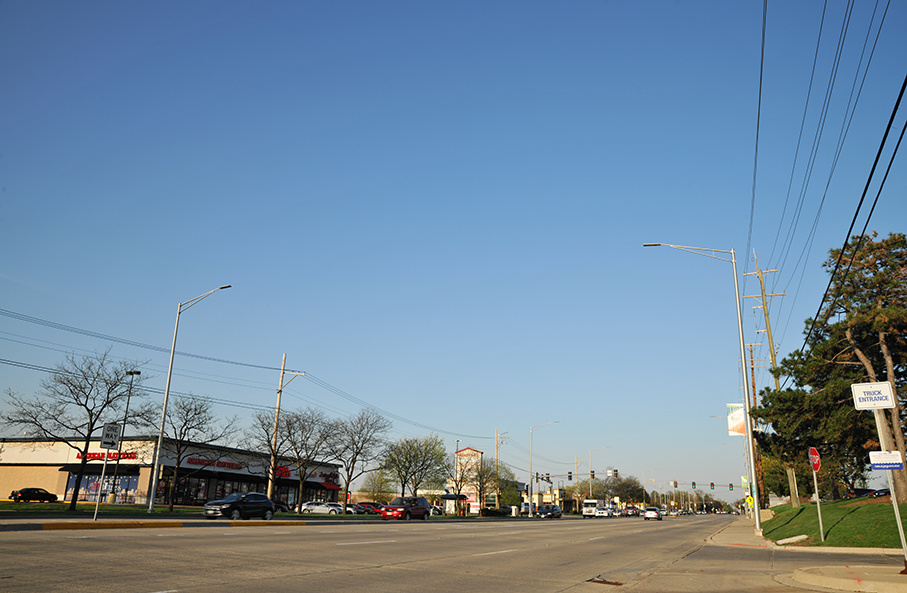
{"x": 872, "y": 396}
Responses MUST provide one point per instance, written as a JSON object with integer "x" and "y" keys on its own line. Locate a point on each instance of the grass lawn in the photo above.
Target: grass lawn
{"x": 860, "y": 523}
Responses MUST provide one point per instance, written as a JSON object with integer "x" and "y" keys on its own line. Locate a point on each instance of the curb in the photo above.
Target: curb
{"x": 71, "y": 525}
{"x": 877, "y": 579}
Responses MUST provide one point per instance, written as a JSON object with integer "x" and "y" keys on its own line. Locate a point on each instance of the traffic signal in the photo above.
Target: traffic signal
{"x": 616, "y": 474}
{"x": 547, "y": 477}
{"x": 569, "y": 476}
{"x": 730, "y": 486}
{"x": 694, "y": 485}
{"x": 675, "y": 483}
{"x": 712, "y": 485}
{"x": 536, "y": 476}
{"x": 591, "y": 475}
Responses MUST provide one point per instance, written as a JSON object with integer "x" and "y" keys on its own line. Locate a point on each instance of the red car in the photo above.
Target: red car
{"x": 406, "y": 508}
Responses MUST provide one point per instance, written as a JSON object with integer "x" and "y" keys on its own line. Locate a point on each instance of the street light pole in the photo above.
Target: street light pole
{"x": 155, "y": 465}
{"x": 116, "y": 467}
{"x": 751, "y": 469}
{"x": 531, "y": 428}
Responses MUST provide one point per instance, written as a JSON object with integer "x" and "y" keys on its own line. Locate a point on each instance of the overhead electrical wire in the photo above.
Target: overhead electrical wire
{"x": 853, "y": 222}
{"x": 319, "y": 382}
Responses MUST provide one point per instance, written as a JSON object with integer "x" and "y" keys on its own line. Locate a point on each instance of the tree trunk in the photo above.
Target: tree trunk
{"x": 77, "y": 485}
{"x": 899, "y": 487}
{"x": 900, "y": 475}
{"x": 792, "y": 486}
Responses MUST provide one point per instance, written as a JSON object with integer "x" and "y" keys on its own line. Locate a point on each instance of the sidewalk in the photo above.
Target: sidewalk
{"x": 878, "y": 579}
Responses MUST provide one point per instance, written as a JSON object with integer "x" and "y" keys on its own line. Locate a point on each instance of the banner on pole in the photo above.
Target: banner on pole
{"x": 736, "y": 418}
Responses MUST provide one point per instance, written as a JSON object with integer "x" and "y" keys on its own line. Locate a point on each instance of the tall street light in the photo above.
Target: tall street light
{"x": 751, "y": 469}
{"x": 155, "y": 466}
{"x": 531, "y": 428}
{"x": 112, "y": 496}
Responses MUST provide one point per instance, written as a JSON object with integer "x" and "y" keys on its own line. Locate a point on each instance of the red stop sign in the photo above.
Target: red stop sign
{"x": 814, "y": 459}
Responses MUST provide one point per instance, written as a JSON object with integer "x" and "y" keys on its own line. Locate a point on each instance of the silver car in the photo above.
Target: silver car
{"x": 652, "y": 513}
{"x": 321, "y": 508}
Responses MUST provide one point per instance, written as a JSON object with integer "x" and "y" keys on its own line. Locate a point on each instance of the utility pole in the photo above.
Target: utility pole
{"x": 791, "y": 475}
{"x": 759, "y": 473}
{"x": 272, "y": 471}
{"x": 498, "y": 441}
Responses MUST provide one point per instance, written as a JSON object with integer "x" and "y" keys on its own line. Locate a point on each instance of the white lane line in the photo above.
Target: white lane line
{"x": 170, "y": 535}
{"x": 492, "y": 553}
{"x": 595, "y": 538}
{"x": 82, "y": 537}
{"x": 383, "y": 541}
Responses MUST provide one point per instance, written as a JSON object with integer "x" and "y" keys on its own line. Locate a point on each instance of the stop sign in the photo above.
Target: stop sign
{"x": 814, "y": 459}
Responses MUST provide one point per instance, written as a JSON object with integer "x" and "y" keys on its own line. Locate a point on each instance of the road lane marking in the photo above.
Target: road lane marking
{"x": 383, "y": 541}
{"x": 595, "y": 538}
{"x": 492, "y": 553}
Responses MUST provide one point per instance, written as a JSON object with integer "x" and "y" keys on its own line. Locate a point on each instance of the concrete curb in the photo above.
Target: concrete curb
{"x": 877, "y": 579}
{"x": 71, "y": 525}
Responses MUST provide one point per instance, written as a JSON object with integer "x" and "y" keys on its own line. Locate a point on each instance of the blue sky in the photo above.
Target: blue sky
{"x": 438, "y": 210}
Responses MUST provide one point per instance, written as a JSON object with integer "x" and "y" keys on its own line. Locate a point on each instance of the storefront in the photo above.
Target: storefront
{"x": 204, "y": 473}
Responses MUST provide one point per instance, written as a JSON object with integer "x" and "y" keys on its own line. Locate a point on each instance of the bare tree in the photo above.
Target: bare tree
{"x": 414, "y": 461}
{"x": 360, "y": 445}
{"x": 311, "y": 440}
{"x": 75, "y": 402}
{"x": 192, "y": 428}
{"x": 260, "y": 437}
{"x": 457, "y": 476}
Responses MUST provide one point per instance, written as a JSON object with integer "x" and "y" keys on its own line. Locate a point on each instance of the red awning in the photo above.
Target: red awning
{"x": 330, "y": 486}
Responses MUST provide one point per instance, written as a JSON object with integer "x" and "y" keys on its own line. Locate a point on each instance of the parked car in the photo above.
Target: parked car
{"x": 652, "y": 513}
{"x": 30, "y": 494}
{"x": 604, "y": 512}
{"x": 281, "y": 507}
{"x": 549, "y": 511}
{"x": 241, "y": 505}
{"x": 321, "y": 508}
{"x": 374, "y": 508}
{"x": 436, "y": 510}
{"x": 406, "y": 508}
{"x": 881, "y": 492}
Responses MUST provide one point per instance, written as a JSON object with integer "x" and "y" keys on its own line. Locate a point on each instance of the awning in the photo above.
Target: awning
{"x": 329, "y": 486}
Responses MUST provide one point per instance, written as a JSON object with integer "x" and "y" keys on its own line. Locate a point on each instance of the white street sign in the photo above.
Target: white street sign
{"x": 872, "y": 396}
{"x": 110, "y": 438}
{"x": 885, "y": 460}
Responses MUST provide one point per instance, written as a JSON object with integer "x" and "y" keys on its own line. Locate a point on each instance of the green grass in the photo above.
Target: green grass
{"x": 861, "y": 523}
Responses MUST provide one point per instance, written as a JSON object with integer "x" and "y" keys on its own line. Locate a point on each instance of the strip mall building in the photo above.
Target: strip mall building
{"x": 205, "y": 472}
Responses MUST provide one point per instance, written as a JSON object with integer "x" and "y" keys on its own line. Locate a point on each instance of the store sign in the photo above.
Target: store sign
{"x": 110, "y": 455}
{"x": 204, "y": 462}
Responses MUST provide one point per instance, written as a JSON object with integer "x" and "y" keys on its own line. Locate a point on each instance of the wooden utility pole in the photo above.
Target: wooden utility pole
{"x": 791, "y": 475}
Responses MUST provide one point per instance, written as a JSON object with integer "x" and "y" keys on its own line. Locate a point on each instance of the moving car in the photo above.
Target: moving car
{"x": 604, "y": 512}
{"x": 30, "y": 494}
{"x": 652, "y": 513}
{"x": 406, "y": 508}
{"x": 241, "y": 505}
{"x": 549, "y": 511}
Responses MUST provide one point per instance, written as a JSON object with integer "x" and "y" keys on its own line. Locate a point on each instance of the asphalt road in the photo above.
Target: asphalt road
{"x": 673, "y": 555}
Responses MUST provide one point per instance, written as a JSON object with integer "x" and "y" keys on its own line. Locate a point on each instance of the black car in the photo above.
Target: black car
{"x": 549, "y": 511}
{"x": 30, "y": 494}
{"x": 241, "y": 505}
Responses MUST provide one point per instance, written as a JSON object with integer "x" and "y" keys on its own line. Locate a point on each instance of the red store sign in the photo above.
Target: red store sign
{"x": 110, "y": 455}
